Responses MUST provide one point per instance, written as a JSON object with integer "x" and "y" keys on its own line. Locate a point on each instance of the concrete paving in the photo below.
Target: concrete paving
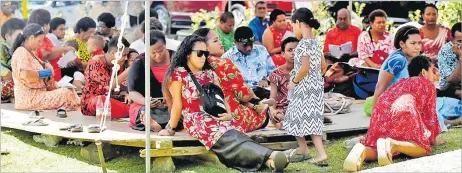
{"x": 445, "y": 162}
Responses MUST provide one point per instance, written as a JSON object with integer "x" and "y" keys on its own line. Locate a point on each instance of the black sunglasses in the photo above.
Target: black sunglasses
{"x": 201, "y": 53}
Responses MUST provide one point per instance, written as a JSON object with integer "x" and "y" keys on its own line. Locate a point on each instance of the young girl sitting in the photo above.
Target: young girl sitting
{"x": 279, "y": 80}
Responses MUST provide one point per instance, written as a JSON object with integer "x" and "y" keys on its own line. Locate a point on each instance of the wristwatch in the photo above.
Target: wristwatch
{"x": 170, "y": 127}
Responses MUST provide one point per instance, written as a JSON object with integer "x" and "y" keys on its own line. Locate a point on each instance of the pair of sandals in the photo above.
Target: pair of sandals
{"x": 92, "y": 128}
{"x": 295, "y": 156}
{"x": 35, "y": 120}
{"x": 73, "y": 128}
{"x": 357, "y": 155}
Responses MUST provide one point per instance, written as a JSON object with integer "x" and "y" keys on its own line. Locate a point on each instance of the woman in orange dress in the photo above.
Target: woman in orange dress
{"x": 34, "y": 87}
{"x": 274, "y": 34}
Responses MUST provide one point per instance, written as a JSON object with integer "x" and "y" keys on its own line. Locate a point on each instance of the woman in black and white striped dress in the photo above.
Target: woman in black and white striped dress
{"x": 306, "y": 105}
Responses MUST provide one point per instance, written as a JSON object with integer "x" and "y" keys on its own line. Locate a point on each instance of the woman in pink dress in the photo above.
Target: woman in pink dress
{"x": 376, "y": 44}
{"x": 434, "y": 36}
{"x": 274, "y": 34}
{"x": 404, "y": 120}
{"x": 34, "y": 87}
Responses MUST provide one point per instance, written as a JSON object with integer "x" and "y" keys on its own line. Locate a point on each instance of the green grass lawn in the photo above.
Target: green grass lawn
{"x": 29, "y": 156}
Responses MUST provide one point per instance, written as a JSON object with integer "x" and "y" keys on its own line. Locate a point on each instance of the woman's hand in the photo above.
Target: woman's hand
{"x": 274, "y": 115}
{"x": 156, "y": 103}
{"x": 291, "y": 85}
{"x": 166, "y": 132}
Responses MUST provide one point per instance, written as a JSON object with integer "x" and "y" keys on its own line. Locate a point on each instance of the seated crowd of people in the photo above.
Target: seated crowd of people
{"x": 271, "y": 72}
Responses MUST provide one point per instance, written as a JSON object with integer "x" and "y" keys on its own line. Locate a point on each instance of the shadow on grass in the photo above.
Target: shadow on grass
{"x": 133, "y": 163}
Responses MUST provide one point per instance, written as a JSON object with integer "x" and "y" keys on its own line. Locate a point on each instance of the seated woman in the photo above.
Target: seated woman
{"x": 159, "y": 65}
{"x": 404, "y": 120}
{"x": 273, "y": 35}
{"x": 376, "y": 44}
{"x": 434, "y": 36}
{"x": 246, "y": 117}
{"x": 98, "y": 76}
{"x": 34, "y": 87}
{"x": 233, "y": 148}
{"x": 408, "y": 42}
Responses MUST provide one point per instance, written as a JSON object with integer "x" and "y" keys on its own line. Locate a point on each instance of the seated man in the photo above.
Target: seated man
{"x": 343, "y": 33}
{"x": 450, "y": 65}
{"x": 225, "y": 30}
{"x": 253, "y": 61}
{"x": 10, "y": 30}
{"x": 97, "y": 79}
{"x": 136, "y": 85}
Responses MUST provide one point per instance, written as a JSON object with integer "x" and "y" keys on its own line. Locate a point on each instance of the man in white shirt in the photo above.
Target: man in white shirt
{"x": 57, "y": 31}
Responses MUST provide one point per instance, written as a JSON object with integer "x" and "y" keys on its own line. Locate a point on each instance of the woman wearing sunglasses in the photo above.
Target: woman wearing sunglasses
{"x": 34, "y": 87}
{"x": 232, "y": 147}
{"x": 246, "y": 116}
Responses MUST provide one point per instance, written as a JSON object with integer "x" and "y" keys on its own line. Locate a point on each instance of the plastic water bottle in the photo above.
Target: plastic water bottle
{"x": 100, "y": 109}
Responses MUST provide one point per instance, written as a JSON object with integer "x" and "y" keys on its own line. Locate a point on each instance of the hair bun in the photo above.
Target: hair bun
{"x": 314, "y": 23}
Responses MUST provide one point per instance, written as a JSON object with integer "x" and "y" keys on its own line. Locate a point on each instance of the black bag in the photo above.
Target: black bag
{"x": 212, "y": 97}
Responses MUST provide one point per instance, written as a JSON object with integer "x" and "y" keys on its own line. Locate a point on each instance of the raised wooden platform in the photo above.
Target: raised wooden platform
{"x": 162, "y": 147}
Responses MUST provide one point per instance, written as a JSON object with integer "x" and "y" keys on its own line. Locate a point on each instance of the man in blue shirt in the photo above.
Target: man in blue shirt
{"x": 259, "y": 23}
{"x": 253, "y": 61}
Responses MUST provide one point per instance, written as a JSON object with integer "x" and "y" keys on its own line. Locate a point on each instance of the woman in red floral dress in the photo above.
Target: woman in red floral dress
{"x": 404, "y": 119}
{"x": 97, "y": 77}
{"x": 434, "y": 36}
{"x": 237, "y": 93}
{"x": 233, "y": 148}
{"x": 274, "y": 34}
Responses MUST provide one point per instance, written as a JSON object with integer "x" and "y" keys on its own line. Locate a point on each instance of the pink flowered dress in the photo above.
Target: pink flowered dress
{"x": 33, "y": 95}
{"x": 198, "y": 124}
{"x": 406, "y": 112}
{"x": 366, "y": 47}
{"x": 431, "y": 47}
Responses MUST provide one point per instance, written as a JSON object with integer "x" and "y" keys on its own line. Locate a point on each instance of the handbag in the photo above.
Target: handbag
{"x": 336, "y": 103}
{"x": 378, "y": 56}
{"x": 211, "y": 97}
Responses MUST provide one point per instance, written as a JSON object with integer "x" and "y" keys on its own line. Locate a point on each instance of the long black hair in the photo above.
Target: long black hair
{"x": 30, "y": 30}
{"x": 180, "y": 59}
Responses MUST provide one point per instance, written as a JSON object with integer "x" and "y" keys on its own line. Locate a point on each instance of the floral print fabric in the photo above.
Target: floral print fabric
{"x": 33, "y": 95}
{"x": 197, "y": 122}
{"x": 431, "y": 47}
{"x": 406, "y": 112}
{"x": 244, "y": 119}
{"x": 254, "y": 67}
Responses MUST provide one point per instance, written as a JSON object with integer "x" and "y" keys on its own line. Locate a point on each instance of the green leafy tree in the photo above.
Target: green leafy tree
{"x": 449, "y": 12}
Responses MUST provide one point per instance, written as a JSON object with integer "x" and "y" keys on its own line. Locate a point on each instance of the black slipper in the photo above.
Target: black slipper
{"x": 61, "y": 113}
